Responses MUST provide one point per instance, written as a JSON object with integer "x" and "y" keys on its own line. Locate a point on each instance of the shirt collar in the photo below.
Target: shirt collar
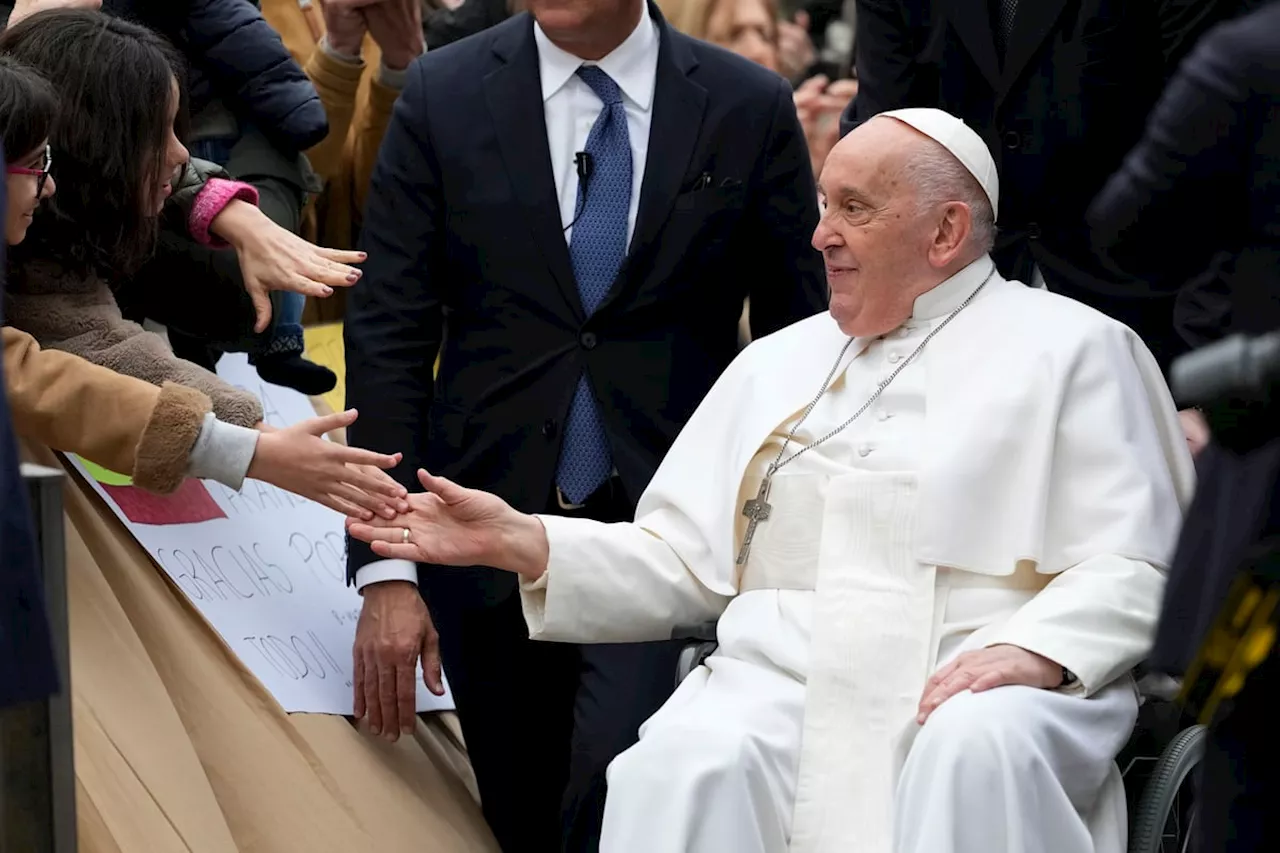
{"x": 947, "y": 296}
{"x": 632, "y": 64}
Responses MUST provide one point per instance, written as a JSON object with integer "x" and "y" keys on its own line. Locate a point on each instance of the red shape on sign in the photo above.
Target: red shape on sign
{"x": 190, "y": 504}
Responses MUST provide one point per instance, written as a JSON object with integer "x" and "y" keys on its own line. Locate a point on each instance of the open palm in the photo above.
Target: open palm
{"x": 448, "y": 525}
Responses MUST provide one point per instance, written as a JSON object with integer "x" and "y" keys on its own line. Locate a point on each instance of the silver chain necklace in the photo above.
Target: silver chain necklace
{"x": 757, "y": 509}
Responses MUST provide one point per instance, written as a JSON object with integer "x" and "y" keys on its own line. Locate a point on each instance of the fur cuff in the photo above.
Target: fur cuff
{"x": 160, "y": 461}
{"x": 240, "y": 408}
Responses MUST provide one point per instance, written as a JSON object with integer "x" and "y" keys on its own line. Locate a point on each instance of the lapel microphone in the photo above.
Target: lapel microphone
{"x": 584, "y": 164}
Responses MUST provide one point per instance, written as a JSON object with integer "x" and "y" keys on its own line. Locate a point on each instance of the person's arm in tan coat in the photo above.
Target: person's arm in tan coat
{"x": 88, "y": 324}
{"x": 161, "y": 435}
{"x": 337, "y": 80}
{"x": 373, "y": 115}
{"x": 119, "y": 422}
{"x": 359, "y": 112}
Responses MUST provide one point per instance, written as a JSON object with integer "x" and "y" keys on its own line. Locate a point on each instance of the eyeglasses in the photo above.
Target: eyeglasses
{"x": 41, "y": 174}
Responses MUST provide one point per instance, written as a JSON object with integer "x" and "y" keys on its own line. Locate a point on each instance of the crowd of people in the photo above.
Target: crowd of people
{"x": 594, "y": 260}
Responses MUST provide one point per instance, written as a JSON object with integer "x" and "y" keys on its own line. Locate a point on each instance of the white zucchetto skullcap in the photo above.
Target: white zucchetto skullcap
{"x": 961, "y": 140}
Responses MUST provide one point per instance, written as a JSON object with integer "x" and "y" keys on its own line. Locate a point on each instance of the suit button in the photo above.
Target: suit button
{"x": 1012, "y": 140}
{"x": 588, "y": 340}
{"x": 549, "y": 428}
{"x": 1033, "y": 231}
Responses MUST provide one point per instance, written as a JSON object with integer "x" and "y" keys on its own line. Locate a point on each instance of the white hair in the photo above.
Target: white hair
{"x": 938, "y": 178}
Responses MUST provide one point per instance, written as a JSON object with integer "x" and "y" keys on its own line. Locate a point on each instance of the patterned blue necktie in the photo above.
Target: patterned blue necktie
{"x": 596, "y": 249}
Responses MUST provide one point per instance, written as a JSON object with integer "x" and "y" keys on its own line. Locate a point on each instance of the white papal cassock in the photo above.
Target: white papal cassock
{"x": 1020, "y": 482}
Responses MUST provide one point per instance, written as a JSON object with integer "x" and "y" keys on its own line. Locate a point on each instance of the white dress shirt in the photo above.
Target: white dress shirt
{"x": 571, "y": 108}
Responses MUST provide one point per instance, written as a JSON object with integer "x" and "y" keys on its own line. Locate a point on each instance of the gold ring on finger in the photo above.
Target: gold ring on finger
{"x": 404, "y": 535}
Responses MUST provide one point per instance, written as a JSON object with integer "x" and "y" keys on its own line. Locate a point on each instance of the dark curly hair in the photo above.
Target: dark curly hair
{"x": 113, "y": 81}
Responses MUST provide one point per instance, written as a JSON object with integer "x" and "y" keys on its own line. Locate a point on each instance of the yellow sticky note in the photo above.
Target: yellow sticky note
{"x": 324, "y": 347}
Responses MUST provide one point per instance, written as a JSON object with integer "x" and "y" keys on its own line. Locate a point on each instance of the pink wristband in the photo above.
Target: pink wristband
{"x": 211, "y": 201}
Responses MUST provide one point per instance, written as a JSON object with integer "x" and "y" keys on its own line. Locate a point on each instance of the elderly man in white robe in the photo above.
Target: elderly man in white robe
{"x": 933, "y": 525}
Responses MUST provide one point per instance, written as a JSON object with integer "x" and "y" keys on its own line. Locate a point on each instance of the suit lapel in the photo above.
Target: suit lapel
{"x": 678, "y": 108}
{"x": 514, "y": 97}
{"x": 1031, "y": 26}
{"x": 972, "y": 23}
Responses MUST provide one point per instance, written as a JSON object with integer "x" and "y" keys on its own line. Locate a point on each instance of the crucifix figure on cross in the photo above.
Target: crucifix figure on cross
{"x": 756, "y": 510}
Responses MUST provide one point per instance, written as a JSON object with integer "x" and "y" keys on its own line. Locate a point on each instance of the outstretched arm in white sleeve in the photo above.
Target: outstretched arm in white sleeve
{"x": 582, "y": 581}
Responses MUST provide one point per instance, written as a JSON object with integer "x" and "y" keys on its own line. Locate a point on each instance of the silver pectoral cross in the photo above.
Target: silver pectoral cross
{"x": 756, "y": 510}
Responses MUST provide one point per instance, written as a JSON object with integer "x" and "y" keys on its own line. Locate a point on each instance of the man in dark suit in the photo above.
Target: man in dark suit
{"x": 577, "y": 202}
{"x": 27, "y": 669}
{"x": 1060, "y": 90}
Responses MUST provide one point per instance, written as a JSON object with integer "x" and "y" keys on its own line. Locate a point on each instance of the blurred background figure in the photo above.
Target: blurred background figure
{"x": 1060, "y": 90}
{"x": 749, "y": 28}
{"x": 1199, "y": 200}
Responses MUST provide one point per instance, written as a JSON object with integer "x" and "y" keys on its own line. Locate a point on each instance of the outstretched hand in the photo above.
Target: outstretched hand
{"x": 274, "y": 258}
{"x": 349, "y": 480}
{"x": 452, "y": 526}
{"x": 819, "y": 103}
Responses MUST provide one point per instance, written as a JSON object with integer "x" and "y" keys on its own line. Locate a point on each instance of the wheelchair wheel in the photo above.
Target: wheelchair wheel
{"x": 1165, "y": 815}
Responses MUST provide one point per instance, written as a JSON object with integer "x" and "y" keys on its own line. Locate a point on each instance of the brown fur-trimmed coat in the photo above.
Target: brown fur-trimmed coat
{"x": 78, "y": 314}
{"x": 121, "y": 423}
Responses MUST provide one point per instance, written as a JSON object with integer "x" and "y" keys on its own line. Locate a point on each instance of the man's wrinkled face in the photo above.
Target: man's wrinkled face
{"x": 872, "y": 237}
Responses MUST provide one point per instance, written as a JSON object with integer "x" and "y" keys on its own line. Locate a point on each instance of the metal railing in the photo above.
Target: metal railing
{"x": 37, "y": 772}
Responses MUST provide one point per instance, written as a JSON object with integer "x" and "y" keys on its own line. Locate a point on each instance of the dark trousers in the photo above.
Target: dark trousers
{"x": 543, "y": 720}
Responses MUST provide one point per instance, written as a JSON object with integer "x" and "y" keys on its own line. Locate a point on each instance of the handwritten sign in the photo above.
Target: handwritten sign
{"x": 266, "y": 568}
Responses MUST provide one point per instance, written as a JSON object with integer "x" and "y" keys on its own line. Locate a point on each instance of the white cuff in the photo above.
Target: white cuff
{"x": 381, "y": 571}
{"x": 222, "y": 452}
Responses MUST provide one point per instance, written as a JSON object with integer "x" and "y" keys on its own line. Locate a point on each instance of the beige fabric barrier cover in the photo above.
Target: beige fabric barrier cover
{"x": 179, "y": 748}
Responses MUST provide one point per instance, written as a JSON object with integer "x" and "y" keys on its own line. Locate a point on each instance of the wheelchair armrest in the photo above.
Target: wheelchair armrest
{"x": 703, "y": 632}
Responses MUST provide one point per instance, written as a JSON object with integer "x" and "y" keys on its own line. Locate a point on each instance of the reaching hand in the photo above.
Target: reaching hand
{"x": 27, "y": 8}
{"x": 344, "y": 25}
{"x": 1196, "y": 429}
{"x": 819, "y": 104}
{"x": 299, "y": 460}
{"x": 394, "y": 630}
{"x": 396, "y": 26}
{"x": 996, "y": 666}
{"x": 795, "y": 48}
{"x": 452, "y": 526}
{"x": 274, "y": 258}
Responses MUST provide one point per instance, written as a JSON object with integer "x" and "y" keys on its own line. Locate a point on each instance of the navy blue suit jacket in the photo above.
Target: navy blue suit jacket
{"x": 27, "y": 669}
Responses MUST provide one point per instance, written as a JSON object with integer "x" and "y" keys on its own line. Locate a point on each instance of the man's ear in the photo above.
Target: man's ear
{"x": 952, "y": 234}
